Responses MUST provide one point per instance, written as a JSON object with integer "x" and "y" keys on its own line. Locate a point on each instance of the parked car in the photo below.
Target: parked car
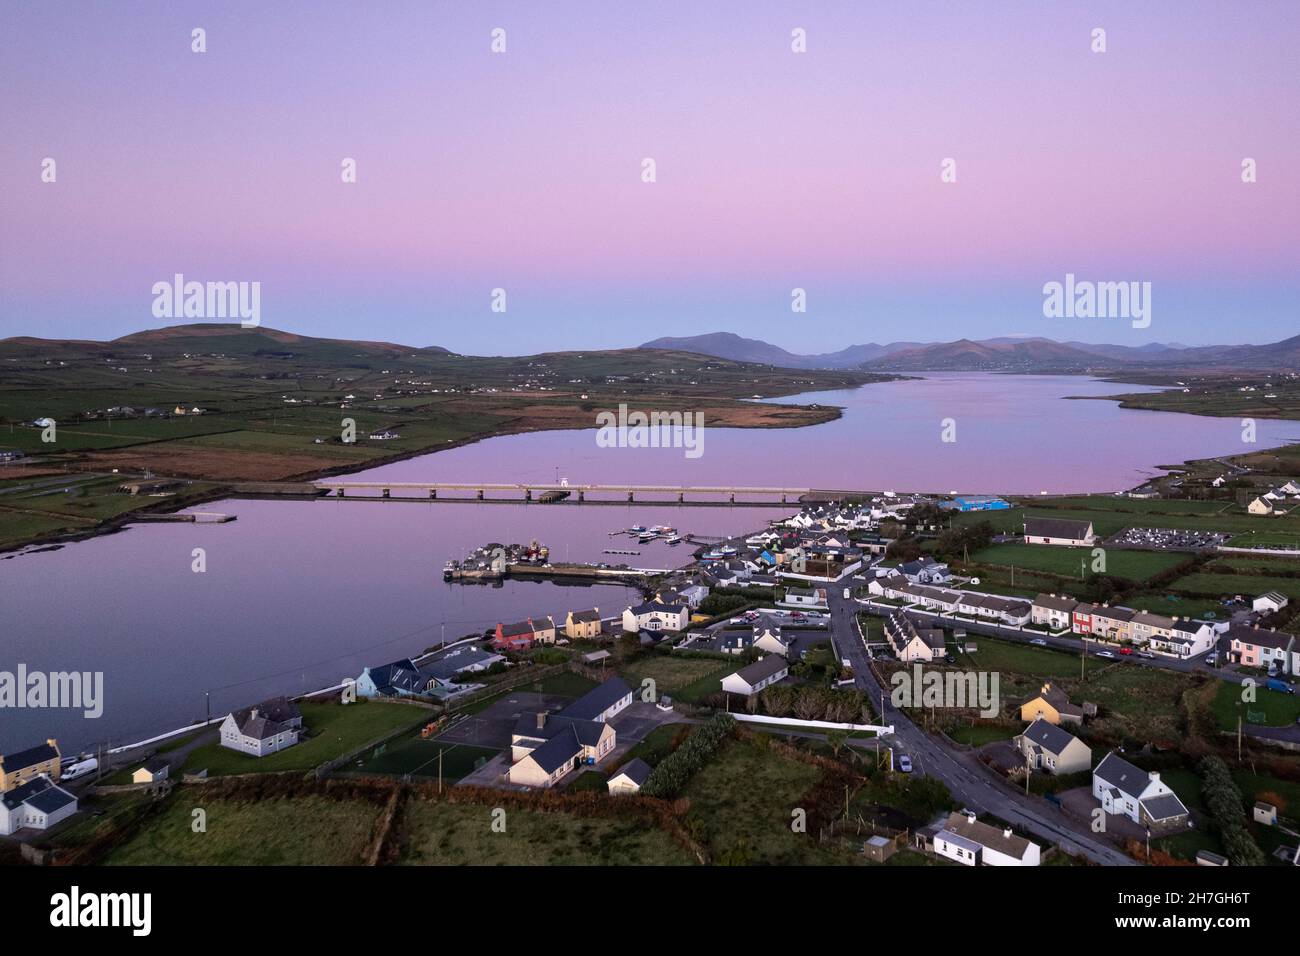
{"x": 1279, "y": 685}
{"x": 1039, "y": 641}
{"x": 1126, "y": 650}
{"x": 904, "y": 763}
{"x": 1106, "y": 654}
{"x": 1146, "y": 655}
{"x": 1212, "y": 658}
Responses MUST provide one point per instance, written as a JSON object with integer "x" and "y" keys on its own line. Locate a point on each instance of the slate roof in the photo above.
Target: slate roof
{"x": 1122, "y": 775}
{"x": 41, "y": 793}
{"x": 517, "y": 629}
{"x": 1056, "y": 528}
{"x": 985, "y": 835}
{"x": 1055, "y": 602}
{"x": 273, "y": 717}
{"x": 1057, "y": 698}
{"x": 1048, "y": 736}
{"x": 636, "y": 770}
{"x": 398, "y": 676}
{"x": 558, "y": 750}
{"x": 30, "y": 757}
{"x": 762, "y": 669}
{"x": 447, "y": 667}
{"x": 657, "y": 606}
{"x": 1164, "y": 807}
{"x": 586, "y": 617}
{"x": 597, "y": 700}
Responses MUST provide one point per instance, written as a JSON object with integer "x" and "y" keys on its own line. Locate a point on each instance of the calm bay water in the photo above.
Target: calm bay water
{"x": 299, "y": 594}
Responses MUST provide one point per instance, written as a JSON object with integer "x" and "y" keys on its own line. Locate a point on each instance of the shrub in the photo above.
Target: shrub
{"x": 675, "y": 770}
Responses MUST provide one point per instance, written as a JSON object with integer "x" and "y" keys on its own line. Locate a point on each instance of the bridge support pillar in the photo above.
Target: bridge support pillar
{"x": 343, "y": 492}
{"x": 582, "y": 496}
{"x": 629, "y": 496}
{"x": 681, "y": 497}
{"x": 433, "y": 494}
{"x": 528, "y": 494}
{"x": 386, "y": 493}
{"x": 480, "y": 494}
{"x": 733, "y": 497}
{"x": 783, "y": 498}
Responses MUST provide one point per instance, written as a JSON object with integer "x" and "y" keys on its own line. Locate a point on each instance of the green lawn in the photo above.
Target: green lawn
{"x": 446, "y": 834}
{"x": 678, "y": 675}
{"x": 1269, "y": 708}
{"x": 333, "y": 729}
{"x": 1135, "y": 565}
{"x": 979, "y": 734}
{"x": 298, "y": 831}
{"x": 1229, "y": 584}
{"x": 419, "y": 758}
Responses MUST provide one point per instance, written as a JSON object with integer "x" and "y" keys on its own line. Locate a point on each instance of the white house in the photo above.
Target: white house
{"x": 972, "y": 843}
{"x": 271, "y": 726}
{"x": 1053, "y": 611}
{"x": 37, "y": 804}
{"x": 1062, "y": 531}
{"x": 1185, "y": 639}
{"x": 153, "y": 770}
{"x": 655, "y": 616}
{"x": 1050, "y": 748}
{"x": 814, "y": 598}
{"x": 925, "y": 570}
{"x": 1130, "y": 791}
{"x": 751, "y": 679}
{"x": 629, "y": 778}
{"x": 1269, "y": 601}
{"x": 544, "y": 747}
{"x": 1260, "y": 506}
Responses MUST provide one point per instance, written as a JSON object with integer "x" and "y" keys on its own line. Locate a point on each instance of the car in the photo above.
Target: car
{"x": 1126, "y": 651}
{"x": 1146, "y": 655}
{"x": 1212, "y": 659}
{"x": 904, "y": 763}
{"x": 1039, "y": 641}
{"x": 1106, "y": 654}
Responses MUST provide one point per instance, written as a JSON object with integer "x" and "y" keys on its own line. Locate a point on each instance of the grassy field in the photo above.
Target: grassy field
{"x": 1269, "y": 708}
{"x": 1229, "y": 584}
{"x": 419, "y": 758}
{"x": 678, "y": 675}
{"x": 1135, "y": 565}
{"x": 1174, "y": 605}
{"x": 298, "y": 831}
{"x": 1110, "y": 514}
{"x": 334, "y": 729}
{"x": 741, "y": 805}
{"x": 452, "y": 835}
{"x": 979, "y": 734}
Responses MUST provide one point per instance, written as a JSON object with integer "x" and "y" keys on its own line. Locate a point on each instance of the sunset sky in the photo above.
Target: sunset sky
{"x": 775, "y": 170}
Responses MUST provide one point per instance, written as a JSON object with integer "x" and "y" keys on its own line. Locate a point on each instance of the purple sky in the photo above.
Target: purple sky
{"x": 775, "y": 170}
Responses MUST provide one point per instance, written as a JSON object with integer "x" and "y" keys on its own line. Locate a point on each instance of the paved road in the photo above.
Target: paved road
{"x": 971, "y": 783}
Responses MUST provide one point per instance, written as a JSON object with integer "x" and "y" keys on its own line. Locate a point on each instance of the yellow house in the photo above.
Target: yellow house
{"x": 543, "y": 630}
{"x": 24, "y": 765}
{"x": 582, "y": 624}
{"x": 1051, "y": 704}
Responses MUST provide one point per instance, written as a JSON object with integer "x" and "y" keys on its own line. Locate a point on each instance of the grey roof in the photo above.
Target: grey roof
{"x": 1122, "y": 775}
{"x": 1056, "y": 602}
{"x": 597, "y": 700}
{"x": 21, "y": 759}
{"x": 586, "y": 617}
{"x": 651, "y": 607}
{"x": 1056, "y": 528}
{"x": 447, "y": 667}
{"x": 986, "y": 836}
{"x": 1048, "y": 736}
{"x": 41, "y": 793}
{"x": 155, "y": 764}
{"x": 517, "y": 629}
{"x": 273, "y": 716}
{"x": 762, "y": 669}
{"x": 636, "y": 769}
{"x": 1164, "y": 807}
{"x": 558, "y": 750}
{"x": 397, "y": 676}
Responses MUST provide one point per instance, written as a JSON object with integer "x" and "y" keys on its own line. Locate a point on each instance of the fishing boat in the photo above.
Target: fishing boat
{"x": 674, "y": 539}
{"x": 636, "y": 529}
{"x": 646, "y": 536}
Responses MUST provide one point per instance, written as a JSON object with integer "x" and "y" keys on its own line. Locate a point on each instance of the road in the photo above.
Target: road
{"x": 971, "y": 783}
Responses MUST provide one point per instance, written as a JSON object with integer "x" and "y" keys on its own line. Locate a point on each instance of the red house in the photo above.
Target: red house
{"x": 514, "y": 637}
{"x": 1082, "y": 623}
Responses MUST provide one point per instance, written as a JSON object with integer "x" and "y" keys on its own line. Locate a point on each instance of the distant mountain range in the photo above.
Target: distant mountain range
{"x": 998, "y": 354}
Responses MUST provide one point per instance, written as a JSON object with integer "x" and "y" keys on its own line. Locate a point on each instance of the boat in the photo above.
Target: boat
{"x": 449, "y": 570}
{"x": 646, "y": 536}
{"x": 674, "y": 539}
{"x": 636, "y": 529}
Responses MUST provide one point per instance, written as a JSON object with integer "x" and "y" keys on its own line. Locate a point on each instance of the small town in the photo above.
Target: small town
{"x": 1118, "y": 734}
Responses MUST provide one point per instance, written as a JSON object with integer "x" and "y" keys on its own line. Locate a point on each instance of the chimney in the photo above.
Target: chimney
{"x": 1007, "y": 832}
{"x": 541, "y": 719}
{"x": 253, "y": 714}
{"x": 1153, "y": 777}
{"x": 53, "y": 742}
{"x": 970, "y": 815}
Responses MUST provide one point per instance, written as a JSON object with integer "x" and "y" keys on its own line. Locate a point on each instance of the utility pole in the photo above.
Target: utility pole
{"x": 440, "y": 771}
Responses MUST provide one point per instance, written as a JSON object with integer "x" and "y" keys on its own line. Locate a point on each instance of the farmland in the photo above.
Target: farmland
{"x": 1136, "y": 565}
